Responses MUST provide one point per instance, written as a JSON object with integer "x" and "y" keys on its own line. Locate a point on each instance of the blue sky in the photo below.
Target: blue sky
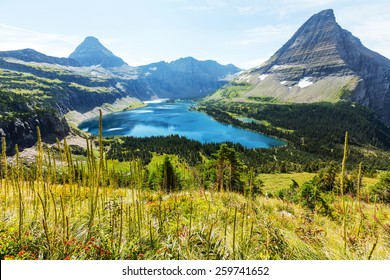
{"x": 241, "y": 32}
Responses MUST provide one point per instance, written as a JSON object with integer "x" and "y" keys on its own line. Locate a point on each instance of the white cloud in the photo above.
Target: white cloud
{"x": 266, "y": 34}
{"x": 250, "y": 7}
{"x": 137, "y": 61}
{"x": 206, "y": 5}
{"x": 14, "y": 38}
{"x": 249, "y": 64}
{"x": 372, "y": 34}
{"x": 241, "y": 7}
{"x": 370, "y": 23}
{"x": 306, "y": 3}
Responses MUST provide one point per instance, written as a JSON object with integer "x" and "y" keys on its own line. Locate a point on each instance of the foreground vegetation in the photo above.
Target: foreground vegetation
{"x": 88, "y": 207}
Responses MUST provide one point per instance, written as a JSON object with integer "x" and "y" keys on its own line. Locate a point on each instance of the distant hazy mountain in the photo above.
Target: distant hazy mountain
{"x": 321, "y": 62}
{"x": 92, "y": 52}
{"x": 187, "y": 77}
{"x": 30, "y": 55}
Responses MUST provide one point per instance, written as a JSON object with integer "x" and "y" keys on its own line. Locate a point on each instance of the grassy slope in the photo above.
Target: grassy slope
{"x": 52, "y": 82}
{"x": 53, "y": 220}
{"x": 248, "y": 87}
{"x": 186, "y": 225}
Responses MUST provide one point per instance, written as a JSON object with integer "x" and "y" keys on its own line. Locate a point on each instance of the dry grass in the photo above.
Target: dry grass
{"x": 67, "y": 209}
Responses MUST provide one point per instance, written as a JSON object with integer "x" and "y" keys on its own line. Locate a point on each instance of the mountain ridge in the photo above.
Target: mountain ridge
{"x": 187, "y": 77}
{"x": 51, "y": 87}
{"x": 31, "y": 55}
{"x": 320, "y": 62}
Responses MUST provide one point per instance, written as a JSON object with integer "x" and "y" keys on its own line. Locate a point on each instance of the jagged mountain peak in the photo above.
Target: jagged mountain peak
{"x": 325, "y": 14}
{"x": 323, "y": 62}
{"x": 318, "y": 48}
{"x": 316, "y": 42}
{"x": 91, "y": 52}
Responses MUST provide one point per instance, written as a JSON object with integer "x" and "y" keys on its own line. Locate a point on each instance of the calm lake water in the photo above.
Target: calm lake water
{"x": 162, "y": 119}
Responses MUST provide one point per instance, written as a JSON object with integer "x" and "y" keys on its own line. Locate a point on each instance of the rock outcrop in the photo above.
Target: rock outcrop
{"x": 20, "y": 117}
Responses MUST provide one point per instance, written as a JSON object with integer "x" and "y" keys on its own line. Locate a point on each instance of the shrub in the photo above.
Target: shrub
{"x": 381, "y": 190}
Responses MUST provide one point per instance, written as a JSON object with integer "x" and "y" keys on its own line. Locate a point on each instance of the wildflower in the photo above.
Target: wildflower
{"x": 140, "y": 256}
{"x": 86, "y": 248}
{"x": 21, "y": 253}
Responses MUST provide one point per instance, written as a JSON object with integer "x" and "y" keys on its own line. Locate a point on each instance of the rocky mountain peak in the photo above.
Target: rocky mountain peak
{"x": 314, "y": 49}
{"x": 91, "y": 52}
{"x": 323, "y": 62}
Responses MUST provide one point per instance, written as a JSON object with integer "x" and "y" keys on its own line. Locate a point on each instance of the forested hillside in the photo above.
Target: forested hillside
{"x": 314, "y": 129}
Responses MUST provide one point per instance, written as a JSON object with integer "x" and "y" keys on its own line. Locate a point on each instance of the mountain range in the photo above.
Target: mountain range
{"x": 321, "y": 62}
{"x": 40, "y": 89}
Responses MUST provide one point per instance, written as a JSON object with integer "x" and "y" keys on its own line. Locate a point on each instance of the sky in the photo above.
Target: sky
{"x": 242, "y": 32}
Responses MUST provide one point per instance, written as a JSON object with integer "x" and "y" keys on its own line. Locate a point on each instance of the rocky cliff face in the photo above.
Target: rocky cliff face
{"x": 23, "y": 131}
{"x": 312, "y": 51}
{"x": 323, "y": 62}
{"x": 19, "y": 118}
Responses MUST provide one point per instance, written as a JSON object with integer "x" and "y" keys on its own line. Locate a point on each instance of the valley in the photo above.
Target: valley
{"x": 289, "y": 160}
{"x": 70, "y": 88}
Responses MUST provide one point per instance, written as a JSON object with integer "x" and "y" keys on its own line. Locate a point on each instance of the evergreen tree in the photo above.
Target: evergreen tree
{"x": 167, "y": 177}
{"x": 229, "y": 168}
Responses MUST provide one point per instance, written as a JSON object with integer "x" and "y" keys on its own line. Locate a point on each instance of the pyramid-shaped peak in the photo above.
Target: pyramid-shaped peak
{"x": 319, "y": 62}
{"x": 317, "y": 41}
{"x": 92, "y": 52}
{"x": 92, "y": 41}
{"x": 91, "y": 38}
{"x": 325, "y": 17}
{"x": 329, "y": 13}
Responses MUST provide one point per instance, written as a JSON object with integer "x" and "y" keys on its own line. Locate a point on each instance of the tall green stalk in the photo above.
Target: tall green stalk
{"x": 39, "y": 157}
{"x": 342, "y": 190}
{"x": 19, "y": 183}
{"x": 4, "y": 158}
{"x": 359, "y": 184}
{"x": 101, "y": 159}
{"x": 234, "y": 233}
{"x": 4, "y": 169}
{"x": 95, "y": 195}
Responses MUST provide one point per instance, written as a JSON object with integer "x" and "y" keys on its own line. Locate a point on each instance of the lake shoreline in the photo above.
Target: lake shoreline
{"x": 162, "y": 118}
{"x": 75, "y": 118}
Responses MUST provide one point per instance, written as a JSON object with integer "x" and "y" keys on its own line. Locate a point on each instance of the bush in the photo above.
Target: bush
{"x": 381, "y": 191}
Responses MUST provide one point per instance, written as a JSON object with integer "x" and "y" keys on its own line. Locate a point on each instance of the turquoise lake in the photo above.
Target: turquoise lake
{"x": 162, "y": 119}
